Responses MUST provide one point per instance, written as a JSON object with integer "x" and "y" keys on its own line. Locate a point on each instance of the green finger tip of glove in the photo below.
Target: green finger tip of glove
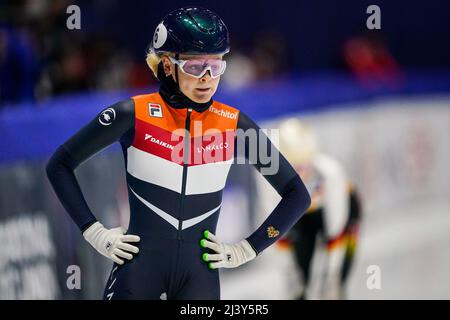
{"x": 202, "y": 243}
{"x": 210, "y": 266}
{"x": 205, "y": 257}
{"x": 206, "y": 234}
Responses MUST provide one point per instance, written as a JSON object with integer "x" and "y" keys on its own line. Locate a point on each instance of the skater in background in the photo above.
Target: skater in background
{"x": 331, "y": 222}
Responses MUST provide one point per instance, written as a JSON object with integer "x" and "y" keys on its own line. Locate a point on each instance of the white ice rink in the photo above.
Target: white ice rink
{"x": 410, "y": 245}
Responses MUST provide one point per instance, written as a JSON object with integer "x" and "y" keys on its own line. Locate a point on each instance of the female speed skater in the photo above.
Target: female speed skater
{"x": 178, "y": 144}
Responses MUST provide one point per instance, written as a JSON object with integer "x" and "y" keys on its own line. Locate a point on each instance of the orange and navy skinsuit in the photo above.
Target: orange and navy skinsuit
{"x": 177, "y": 162}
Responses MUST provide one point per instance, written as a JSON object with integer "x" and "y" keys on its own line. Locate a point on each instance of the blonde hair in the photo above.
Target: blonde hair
{"x": 153, "y": 59}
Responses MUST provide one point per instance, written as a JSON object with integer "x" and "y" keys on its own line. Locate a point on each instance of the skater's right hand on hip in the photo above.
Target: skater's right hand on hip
{"x": 112, "y": 243}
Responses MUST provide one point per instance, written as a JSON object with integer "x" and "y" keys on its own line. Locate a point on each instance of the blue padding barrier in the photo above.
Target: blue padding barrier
{"x": 33, "y": 131}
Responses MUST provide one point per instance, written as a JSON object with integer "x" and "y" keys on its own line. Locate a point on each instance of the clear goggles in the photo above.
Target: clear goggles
{"x": 198, "y": 67}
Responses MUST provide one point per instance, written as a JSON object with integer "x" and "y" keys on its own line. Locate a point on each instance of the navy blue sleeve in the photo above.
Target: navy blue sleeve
{"x": 283, "y": 178}
{"x": 115, "y": 123}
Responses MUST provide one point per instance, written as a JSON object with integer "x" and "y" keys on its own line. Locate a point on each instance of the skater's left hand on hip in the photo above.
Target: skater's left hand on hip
{"x": 226, "y": 255}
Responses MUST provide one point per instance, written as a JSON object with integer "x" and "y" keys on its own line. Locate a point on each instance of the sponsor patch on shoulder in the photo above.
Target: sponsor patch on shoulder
{"x": 107, "y": 116}
{"x": 155, "y": 110}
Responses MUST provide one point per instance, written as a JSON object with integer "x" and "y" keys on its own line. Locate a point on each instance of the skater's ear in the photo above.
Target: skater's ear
{"x": 168, "y": 66}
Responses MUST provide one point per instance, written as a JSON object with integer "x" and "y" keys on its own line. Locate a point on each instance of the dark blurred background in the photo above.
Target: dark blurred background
{"x": 40, "y": 58}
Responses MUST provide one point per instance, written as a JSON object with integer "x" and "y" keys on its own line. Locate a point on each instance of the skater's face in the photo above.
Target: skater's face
{"x": 199, "y": 90}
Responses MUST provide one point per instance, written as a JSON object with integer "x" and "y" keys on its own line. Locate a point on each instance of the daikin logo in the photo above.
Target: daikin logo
{"x": 157, "y": 141}
{"x": 223, "y": 113}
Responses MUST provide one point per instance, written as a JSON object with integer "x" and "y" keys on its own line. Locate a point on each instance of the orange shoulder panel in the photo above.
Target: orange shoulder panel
{"x": 219, "y": 117}
{"x": 152, "y": 109}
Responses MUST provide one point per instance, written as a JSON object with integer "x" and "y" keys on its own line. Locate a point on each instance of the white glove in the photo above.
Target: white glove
{"x": 227, "y": 255}
{"x": 111, "y": 242}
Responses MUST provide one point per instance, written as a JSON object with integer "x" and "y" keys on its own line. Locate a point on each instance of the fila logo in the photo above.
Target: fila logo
{"x": 155, "y": 110}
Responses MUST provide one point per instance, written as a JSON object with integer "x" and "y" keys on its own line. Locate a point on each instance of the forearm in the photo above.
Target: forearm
{"x": 295, "y": 201}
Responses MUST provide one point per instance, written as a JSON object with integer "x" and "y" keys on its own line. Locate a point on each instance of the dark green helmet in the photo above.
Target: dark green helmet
{"x": 191, "y": 30}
